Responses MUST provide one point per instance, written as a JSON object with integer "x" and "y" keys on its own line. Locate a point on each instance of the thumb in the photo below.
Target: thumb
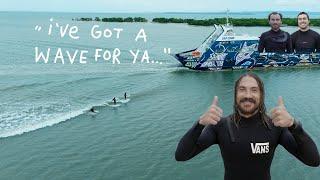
{"x": 280, "y": 101}
{"x": 215, "y": 101}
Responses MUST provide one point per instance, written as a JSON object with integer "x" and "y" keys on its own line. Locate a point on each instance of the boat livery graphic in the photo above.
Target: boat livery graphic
{"x": 223, "y": 49}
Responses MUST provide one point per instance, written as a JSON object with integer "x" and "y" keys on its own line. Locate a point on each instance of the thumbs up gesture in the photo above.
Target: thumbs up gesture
{"x": 280, "y": 116}
{"x": 213, "y": 115}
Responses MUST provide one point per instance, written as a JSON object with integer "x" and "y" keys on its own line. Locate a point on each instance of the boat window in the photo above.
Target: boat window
{"x": 229, "y": 33}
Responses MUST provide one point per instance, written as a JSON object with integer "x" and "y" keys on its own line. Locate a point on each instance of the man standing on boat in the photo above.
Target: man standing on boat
{"x": 305, "y": 40}
{"x": 275, "y": 40}
{"x": 248, "y": 138}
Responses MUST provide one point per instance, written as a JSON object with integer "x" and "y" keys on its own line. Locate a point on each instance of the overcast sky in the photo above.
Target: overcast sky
{"x": 159, "y": 5}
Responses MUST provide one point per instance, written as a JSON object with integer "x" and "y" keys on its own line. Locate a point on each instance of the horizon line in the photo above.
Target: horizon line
{"x": 136, "y": 12}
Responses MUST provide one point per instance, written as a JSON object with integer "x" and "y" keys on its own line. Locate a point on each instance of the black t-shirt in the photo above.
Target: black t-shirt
{"x": 247, "y": 150}
{"x": 275, "y": 41}
{"x": 308, "y": 41}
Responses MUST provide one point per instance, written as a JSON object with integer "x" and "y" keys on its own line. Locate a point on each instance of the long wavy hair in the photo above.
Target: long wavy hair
{"x": 261, "y": 108}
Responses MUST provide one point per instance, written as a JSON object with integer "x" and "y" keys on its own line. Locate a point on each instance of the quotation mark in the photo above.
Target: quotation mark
{"x": 37, "y": 28}
{"x": 167, "y": 50}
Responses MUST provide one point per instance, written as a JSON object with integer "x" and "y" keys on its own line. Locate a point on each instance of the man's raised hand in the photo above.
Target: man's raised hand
{"x": 213, "y": 115}
{"x": 280, "y": 116}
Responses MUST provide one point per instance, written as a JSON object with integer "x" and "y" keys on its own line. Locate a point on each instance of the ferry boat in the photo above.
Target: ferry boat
{"x": 223, "y": 49}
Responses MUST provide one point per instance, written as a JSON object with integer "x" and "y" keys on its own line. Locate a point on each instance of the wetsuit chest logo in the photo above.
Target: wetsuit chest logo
{"x": 260, "y": 148}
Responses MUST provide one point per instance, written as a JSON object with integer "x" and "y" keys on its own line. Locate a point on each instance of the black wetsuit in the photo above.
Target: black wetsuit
{"x": 275, "y": 41}
{"x": 308, "y": 41}
{"x": 114, "y": 100}
{"x": 248, "y": 150}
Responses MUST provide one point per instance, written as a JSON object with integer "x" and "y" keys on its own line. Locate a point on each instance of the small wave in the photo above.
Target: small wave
{"x": 25, "y": 120}
{"x": 24, "y": 86}
{"x": 150, "y": 91}
{"x": 86, "y": 79}
{"x": 32, "y": 127}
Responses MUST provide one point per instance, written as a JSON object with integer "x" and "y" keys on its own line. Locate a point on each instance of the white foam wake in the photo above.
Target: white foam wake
{"x": 28, "y": 127}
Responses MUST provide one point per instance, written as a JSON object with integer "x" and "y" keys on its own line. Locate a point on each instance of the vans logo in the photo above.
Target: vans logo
{"x": 260, "y": 148}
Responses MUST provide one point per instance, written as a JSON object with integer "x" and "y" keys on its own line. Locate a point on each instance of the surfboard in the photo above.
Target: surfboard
{"x": 124, "y": 100}
{"x": 111, "y": 104}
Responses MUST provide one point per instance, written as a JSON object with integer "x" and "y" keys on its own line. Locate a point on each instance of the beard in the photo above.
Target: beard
{"x": 243, "y": 109}
{"x": 275, "y": 27}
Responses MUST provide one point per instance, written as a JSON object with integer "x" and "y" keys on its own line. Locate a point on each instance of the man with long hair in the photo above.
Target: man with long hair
{"x": 248, "y": 137}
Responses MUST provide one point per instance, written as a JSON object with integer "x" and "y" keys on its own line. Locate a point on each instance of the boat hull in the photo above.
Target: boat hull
{"x": 242, "y": 55}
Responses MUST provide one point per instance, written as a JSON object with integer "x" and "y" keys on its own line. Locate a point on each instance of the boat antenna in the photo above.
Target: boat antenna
{"x": 228, "y": 17}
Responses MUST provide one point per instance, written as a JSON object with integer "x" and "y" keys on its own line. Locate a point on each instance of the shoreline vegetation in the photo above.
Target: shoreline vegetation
{"x": 204, "y": 22}
{"x": 113, "y": 19}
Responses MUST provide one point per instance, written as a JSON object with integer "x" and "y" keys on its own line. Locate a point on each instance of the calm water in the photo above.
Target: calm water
{"x": 45, "y": 133}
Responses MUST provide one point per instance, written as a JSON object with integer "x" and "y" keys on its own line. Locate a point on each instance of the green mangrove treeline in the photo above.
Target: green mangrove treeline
{"x": 114, "y": 19}
{"x": 233, "y": 21}
{"x": 205, "y": 22}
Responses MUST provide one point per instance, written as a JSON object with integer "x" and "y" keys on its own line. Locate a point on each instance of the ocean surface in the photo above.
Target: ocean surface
{"x": 46, "y": 133}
